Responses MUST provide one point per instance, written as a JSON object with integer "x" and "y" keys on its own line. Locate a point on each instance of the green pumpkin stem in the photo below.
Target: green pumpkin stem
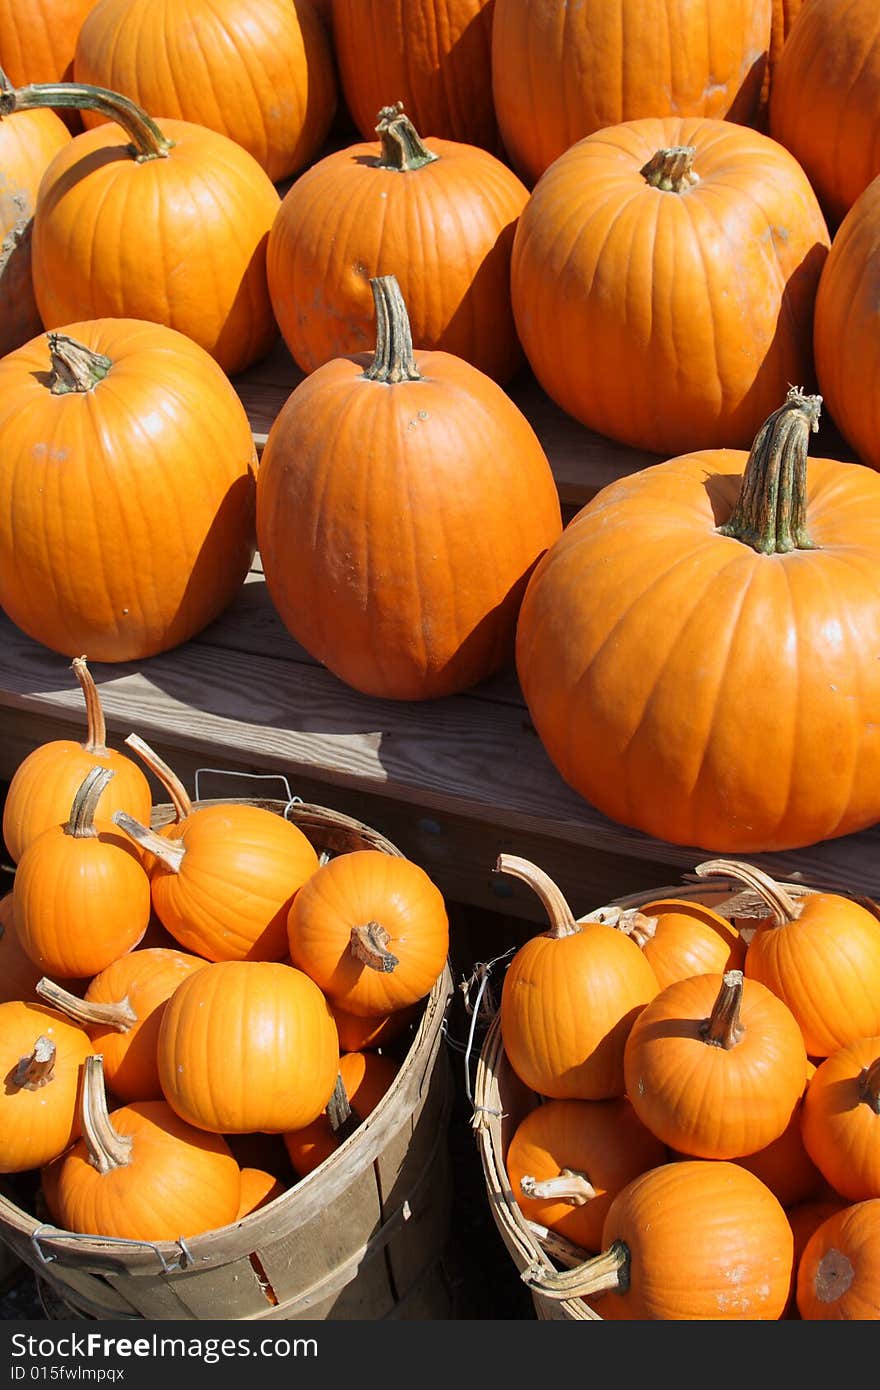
{"x": 96, "y": 737}
{"x": 402, "y": 146}
{"x": 120, "y": 1016}
{"x": 562, "y": 920}
{"x": 723, "y": 1027}
{"x": 369, "y": 944}
{"x": 869, "y": 1086}
{"x": 671, "y": 170}
{"x": 771, "y": 512}
{"x": 75, "y": 368}
{"x": 37, "y": 1069}
{"x": 147, "y": 140}
{"x": 393, "y": 359}
{"x": 107, "y": 1148}
{"x": 81, "y": 824}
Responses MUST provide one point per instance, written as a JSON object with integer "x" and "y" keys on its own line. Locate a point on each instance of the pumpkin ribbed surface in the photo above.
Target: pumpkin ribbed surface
{"x": 38, "y": 1100}
{"x": 38, "y": 38}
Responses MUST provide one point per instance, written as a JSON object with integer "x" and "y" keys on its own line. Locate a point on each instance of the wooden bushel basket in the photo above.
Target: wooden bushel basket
{"x": 361, "y": 1237}
{"x": 501, "y": 1101}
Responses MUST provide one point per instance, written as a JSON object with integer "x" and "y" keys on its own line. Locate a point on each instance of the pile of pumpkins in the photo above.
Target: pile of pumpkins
{"x": 193, "y": 1018}
{"x": 704, "y": 1133}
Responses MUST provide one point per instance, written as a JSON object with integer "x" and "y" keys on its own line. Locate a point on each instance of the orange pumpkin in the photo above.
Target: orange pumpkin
{"x": 437, "y": 214}
{"x": 371, "y": 930}
{"x": 680, "y": 937}
{"x": 41, "y": 1056}
{"x": 805, "y": 1218}
{"x": 358, "y": 1034}
{"x": 839, "y": 1273}
{"x": 840, "y": 1120}
{"x": 81, "y": 897}
{"x": 561, "y": 71}
{"x": 365, "y": 1078}
{"x": 434, "y": 55}
{"x": 568, "y": 1159}
{"x": 45, "y": 781}
{"x": 784, "y": 1164}
{"x": 362, "y": 563}
{"x": 281, "y": 1071}
{"x": 570, "y": 997}
{"x": 88, "y": 558}
{"x": 29, "y": 140}
{"x": 715, "y": 1065}
{"x": 832, "y": 53}
{"x": 38, "y": 38}
{"x": 166, "y": 225}
{"x": 258, "y": 1189}
{"x": 140, "y": 1173}
{"x": 648, "y": 242}
{"x": 643, "y": 654}
{"x": 18, "y": 973}
{"x": 261, "y": 74}
{"x": 819, "y": 953}
{"x": 690, "y": 1241}
{"x": 121, "y": 1011}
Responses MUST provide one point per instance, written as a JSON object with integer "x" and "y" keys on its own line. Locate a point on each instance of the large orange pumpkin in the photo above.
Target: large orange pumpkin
{"x": 433, "y": 55}
{"x": 570, "y": 997}
{"x": 823, "y": 101}
{"x": 561, "y": 71}
{"x": 663, "y": 279}
{"x": 29, "y": 140}
{"x": 127, "y": 489}
{"x": 260, "y": 73}
{"x": 698, "y": 650}
{"x": 437, "y": 214}
{"x": 169, "y": 225}
{"x": 44, "y": 783}
{"x": 401, "y": 506}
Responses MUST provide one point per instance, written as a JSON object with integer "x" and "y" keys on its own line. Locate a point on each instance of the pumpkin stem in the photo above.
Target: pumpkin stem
{"x": 723, "y": 1027}
{"x": 147, "y": 140}
{"x": 120, "y": 1016}
{"x": 571, "y": 1187}
{"x": 402, "y": 146}
{"x": 81, "y": 824}
{"x": 369, "y": 944}
{"x": 869, "y": 1086}
{"x": 608, "y": 1271}
{"x": 343, "y": 1120}
{"x": 37, "y": 1069}
{"x": 771, "y": 511}
{"x": 171, "y": 852}
{"x": 393, "y": 359}
{"x": 177, "y": 793}
{"x": 562, "y": 922}
{"x": 96, "y": 738}
{"x": 75, "y": 368}
{"x": 637, "y": 925}
{"x": 782, "y": 906}
{"x": 107, "y": 1148}
{"x": 671, "y": 170}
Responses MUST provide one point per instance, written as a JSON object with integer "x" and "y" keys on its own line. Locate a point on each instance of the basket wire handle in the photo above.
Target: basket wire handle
{"x": 482, "y": 971}
{"x": 252, "y": 776}
{"x": 44, "y": 1229}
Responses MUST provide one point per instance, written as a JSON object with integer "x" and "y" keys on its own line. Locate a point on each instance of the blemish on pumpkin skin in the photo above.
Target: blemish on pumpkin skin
{"x": 833, "y": 1277}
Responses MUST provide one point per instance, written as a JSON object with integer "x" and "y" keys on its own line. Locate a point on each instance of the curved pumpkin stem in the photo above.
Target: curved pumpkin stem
{"x": 96, "y": 737}
{"x": 393, "y": 360}
{"x": 671, "y": 170}
{"x": 107, "y": 1148}
{"x": 81, "y": 824}
{"x": 369, "y": 943}
{"x": 171, "y": 852}
{"x": 570, "y": 1187}
{"x": 771, "y": 512}
{"x": 147, "y": 140}
{"x": 402, "y": 146}
{"x": 869, "y": 1086}
{"x": 37, "y": 1069}
{"x": 637, "y": 925}
{"x": 177, "y": 792}
{"x": 781, "y": 904}
{"x": 562, "y": 921}
{"x": 606, "y": 1272}
{"x": 120, "y": 1016}
{"x": 723, "y": 1027}
{"x": 76, "y": 369}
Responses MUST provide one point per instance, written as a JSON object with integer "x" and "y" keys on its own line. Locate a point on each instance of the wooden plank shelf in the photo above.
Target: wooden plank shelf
{"x": 454, "y": 782}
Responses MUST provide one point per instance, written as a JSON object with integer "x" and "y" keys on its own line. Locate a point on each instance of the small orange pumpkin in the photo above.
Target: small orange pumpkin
{"x": 570, "y": 997}
{"x": 839, "y": 1273}
{"x": 680, "y": 937}
{"x": 840, "y": 1120}
{"x": 258, "y": 1189}
{"x": 28, "y": 142}
{"x": 18, "y": 973}
{"x": 805, "y": 1218}
{"x": 45, "y": 781}
{"x": 282, "y": 1068}
{"x": 364, "y": 1078}
{"x": 371, "y": 929}
{"x": 41, "y": 1056}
